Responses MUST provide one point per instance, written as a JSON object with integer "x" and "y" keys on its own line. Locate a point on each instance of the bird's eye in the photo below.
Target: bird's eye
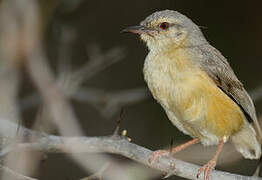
{"x": 164, "y": 25}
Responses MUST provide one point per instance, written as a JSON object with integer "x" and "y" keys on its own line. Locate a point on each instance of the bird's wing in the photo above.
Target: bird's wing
{"x": 218, "y": 69}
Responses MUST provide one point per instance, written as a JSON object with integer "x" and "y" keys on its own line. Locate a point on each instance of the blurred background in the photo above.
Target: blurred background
{"x": 100, "y": 72}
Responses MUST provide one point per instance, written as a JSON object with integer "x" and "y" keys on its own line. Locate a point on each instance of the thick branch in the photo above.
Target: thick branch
{"x": 14, "y": 174}
{"x": 115, "y": 145}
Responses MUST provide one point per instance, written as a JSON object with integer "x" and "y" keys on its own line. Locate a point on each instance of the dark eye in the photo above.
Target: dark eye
{"x": 164, "y": 25}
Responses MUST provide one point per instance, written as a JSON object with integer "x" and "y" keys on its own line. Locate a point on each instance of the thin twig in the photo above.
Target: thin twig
{"x": 98, "y": 61}
{"x": 98, "y": 175}
{"x": 70, "y": 81}
{"x": 107, "y": 103}
{"x": 116, "y": 131}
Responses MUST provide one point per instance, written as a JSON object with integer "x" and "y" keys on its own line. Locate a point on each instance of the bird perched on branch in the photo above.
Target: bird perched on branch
{"x": 197, "y": 88}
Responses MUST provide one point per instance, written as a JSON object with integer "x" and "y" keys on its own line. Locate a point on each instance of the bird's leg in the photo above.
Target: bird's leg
{"x": 157, "y": 154}
{"x": 208, "y": 167}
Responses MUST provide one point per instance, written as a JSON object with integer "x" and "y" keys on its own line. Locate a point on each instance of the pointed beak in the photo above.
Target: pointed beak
{"x": 135, "y": 30}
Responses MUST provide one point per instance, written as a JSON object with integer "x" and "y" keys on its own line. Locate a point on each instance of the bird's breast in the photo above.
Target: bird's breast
{"x": 175, "y": 83}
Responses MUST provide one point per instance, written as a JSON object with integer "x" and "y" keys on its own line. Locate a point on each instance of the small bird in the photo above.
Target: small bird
{"x": 197, "y": 88}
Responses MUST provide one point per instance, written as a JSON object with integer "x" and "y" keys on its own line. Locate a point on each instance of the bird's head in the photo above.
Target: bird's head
{"x": 167, "y": 29}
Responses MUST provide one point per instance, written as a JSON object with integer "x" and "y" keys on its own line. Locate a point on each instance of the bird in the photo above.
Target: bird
{"x": 197, "y": 88}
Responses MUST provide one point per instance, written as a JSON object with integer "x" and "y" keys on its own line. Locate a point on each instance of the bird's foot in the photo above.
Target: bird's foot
{"x": 156, "y": 155}
{"x": 207, "y": 168}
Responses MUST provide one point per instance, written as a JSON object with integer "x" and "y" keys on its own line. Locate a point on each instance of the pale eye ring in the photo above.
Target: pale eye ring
{"x": 164, "y": 25}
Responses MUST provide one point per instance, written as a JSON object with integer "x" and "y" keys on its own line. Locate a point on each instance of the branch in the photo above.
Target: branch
{"x": 107, "y": 103}
{"x": 111, "y": 144}
{"x": 98, "y": 61}
{"x": 14, "y": 174}
{"x": 70, "y": 81}
{"x": 98, "y": 175}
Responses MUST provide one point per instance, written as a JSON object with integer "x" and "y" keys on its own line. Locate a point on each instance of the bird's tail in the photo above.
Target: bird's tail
{"x": 247, "y": 143}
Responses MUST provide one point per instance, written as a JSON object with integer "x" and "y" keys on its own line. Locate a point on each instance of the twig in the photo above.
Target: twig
{"x": 71, "y": 81}
{"x": 98, "y": 175}
{"x": 107, "y": 103}
{"x": 68, "y": 35}
{"x": 44, "y": 80}
{"x": 98, "y": 61}
{"x": 116, "y": 131}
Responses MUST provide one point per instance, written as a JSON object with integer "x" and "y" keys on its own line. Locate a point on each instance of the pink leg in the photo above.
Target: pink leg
{"x": 157, "y": 154}
{"x": 208, "y": 167}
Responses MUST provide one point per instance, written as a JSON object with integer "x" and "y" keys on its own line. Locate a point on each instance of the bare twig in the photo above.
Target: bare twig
{"x": 116, "y": 131}
{"x": 67, "y": 38}
{"x": 107, "y": 103}
{"x": 98, "y": 175}
{"x": 98, "y": 61}
{"x": 70, "y": 82}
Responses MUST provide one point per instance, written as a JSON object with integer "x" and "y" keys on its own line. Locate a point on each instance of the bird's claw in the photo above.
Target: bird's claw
{"x": 156, "y": 155}
{"x": 207, "y": 168}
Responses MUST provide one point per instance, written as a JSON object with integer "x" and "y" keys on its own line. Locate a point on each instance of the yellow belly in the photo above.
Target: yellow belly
{"x": 221, "y": 116}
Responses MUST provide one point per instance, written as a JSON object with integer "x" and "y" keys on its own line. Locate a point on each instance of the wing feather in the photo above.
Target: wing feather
{"x": 218, "y": 69}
